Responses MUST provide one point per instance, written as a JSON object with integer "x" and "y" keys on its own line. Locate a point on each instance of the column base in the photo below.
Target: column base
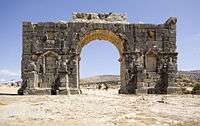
{"x": 49, "y": 91}
{"x": 147, "y": 90}
{"x": 127, "y": 89}
{"x": 152, "y": 90}
{"x": 70, "y": 91}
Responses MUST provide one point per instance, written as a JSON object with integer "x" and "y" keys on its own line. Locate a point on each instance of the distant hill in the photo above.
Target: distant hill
{"x": 100, "y": 78}
{"x": 191, "y": 76}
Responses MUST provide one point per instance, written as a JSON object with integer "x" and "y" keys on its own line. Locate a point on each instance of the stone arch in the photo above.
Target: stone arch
{"x": 151, "y": 61}
{"x": 101, "y": 35}
{"x": 62, "y": 42}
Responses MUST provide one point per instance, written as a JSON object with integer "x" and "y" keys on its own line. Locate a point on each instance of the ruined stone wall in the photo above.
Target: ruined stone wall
{"x": 51, "y": 52}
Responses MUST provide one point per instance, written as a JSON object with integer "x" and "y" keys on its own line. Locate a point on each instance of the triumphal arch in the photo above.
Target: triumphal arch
{"x": 51, "y": 53}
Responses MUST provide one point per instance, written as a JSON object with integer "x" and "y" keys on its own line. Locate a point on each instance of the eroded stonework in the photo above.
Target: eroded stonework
{"x": 51, "y": 53}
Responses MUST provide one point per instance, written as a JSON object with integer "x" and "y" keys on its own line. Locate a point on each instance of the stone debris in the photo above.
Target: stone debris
{"x": 100, "y": 17}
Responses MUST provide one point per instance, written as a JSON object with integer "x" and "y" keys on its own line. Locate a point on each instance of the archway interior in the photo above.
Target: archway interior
{"x": 99, "y": 62}
{"x": 108, "y": 36}
{"x": 99, "y": 57}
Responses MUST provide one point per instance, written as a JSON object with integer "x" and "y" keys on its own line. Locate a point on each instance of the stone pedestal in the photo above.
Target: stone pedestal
{"x": 33, "y": 80}
{"x": 48, "y": 91}
{"x": 70, "y": 91}
{"x": 127, "y": 89}
{"x": 38, "y": 91}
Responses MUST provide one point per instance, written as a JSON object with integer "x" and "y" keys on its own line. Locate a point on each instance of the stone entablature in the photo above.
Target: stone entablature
{"x": 51, "y": 52}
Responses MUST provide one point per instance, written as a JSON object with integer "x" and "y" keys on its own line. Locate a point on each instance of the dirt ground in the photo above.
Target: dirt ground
{"x": 98, "y": 108}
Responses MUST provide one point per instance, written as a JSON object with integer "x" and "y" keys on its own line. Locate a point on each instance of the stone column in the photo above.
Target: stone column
{"x": 44, "y": 71}
{"x": 75, "y": 88}
{"x": 73, "y": 77}
{"x": 63, "y": 74}
{"x": 31, "y": 81}
{"x": 122, "y": 69}
{"x": 131, "y": 73}
{"x": 78, "y": 72}
{"x": 167, "y": 73}
{"x": 162, "y": 84}
{"x": 172, "y": 70}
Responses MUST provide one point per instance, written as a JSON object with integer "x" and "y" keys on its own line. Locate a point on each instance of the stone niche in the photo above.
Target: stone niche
{"x": 51, "y": 53}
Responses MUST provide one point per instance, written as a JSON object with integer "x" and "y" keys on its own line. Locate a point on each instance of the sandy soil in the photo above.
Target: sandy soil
{"x": 98, "y": 108}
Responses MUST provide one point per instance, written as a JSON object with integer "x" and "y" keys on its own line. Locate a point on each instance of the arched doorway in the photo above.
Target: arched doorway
{"x": 99, "y": 65}
{"x": 107, "y": 36}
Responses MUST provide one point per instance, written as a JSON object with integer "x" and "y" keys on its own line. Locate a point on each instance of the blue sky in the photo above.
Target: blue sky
{"x": 13, "y": 12}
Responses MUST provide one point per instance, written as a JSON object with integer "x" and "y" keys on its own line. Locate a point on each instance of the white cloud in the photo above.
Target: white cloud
{"x": 140, "y": 22}
{"x": 2, "y": 80}
{"x": 6, "y": 72}
{"x": 8, "y": 75}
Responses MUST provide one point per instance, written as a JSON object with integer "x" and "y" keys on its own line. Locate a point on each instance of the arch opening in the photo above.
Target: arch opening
{"x": 107, "y": 38}
{"x": 99, "y": 65}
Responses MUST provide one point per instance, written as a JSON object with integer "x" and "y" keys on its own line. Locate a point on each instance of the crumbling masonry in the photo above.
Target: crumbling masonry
{"x": 51, "y": 53}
